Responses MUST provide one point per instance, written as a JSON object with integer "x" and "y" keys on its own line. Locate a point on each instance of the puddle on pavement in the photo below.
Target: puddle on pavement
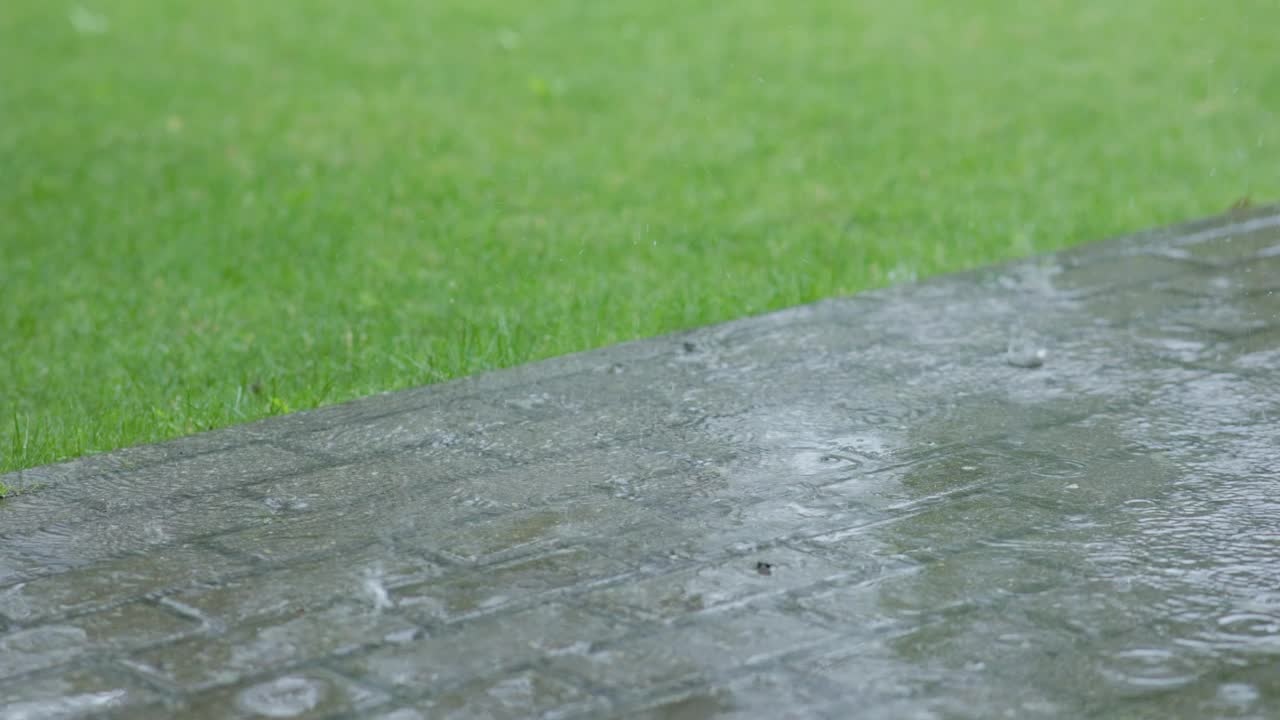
{"x": 1150, "y": 583}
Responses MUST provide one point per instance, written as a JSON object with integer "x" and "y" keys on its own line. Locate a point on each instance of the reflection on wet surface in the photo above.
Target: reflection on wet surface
{"x": 1044, "y": 490}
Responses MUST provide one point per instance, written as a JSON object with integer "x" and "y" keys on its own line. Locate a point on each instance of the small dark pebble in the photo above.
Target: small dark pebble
{"x": 764, "y": 568}
{"x": 690, "y": 347}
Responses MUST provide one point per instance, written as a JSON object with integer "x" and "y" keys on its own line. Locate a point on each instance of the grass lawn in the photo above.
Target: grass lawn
{"x": 213, "y": 212}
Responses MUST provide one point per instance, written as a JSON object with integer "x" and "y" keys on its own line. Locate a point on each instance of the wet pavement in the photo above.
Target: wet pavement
{"x": 1049, "y": 489}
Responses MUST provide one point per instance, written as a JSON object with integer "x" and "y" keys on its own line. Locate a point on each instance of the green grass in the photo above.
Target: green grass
{"x": 213, "y": 212}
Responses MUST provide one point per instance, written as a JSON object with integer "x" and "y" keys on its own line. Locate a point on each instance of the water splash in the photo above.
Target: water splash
{"x": 375, "y": 589}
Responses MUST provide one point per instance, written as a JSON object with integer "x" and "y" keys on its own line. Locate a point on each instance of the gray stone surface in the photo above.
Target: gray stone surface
{"x": 1046, "y": 489}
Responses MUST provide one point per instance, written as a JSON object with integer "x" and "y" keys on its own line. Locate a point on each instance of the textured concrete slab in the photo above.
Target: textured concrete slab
{"x": 1046, "y": 489}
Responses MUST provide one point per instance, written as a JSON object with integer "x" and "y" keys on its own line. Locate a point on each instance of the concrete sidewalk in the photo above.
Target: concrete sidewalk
{"x": 1047, "y": 489}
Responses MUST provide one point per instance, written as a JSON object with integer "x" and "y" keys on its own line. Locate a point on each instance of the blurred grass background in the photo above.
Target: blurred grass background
{"x": 212, "y": 212}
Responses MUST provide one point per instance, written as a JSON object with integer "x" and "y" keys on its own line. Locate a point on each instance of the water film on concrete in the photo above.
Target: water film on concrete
{"x": 1044, "y": 490}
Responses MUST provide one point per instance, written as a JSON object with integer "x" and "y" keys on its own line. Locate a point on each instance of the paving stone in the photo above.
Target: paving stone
{"x": 492, "y": 587}
{"x": 601, "y": 362}
{"x": 538, "y": 439}
{"x": 1254, "y": 353}
{"x": 73, "y": 694}
{"x": 1042, "y": 489}
{"x": 1164, "y": 241}
{"x": 1105, "y": 275}
{"x": 693, "y": 653}
{"x": 709, "y": 587}
{"x": 60, "y": 546}
{"x": 310, "y": 693}
{"x": 123, "y": 627}
{"x": 487, "y": 536}
{"x": 1174, "y": 327}
{"x": 481, "y": 648}
{"x": 1246, "y": 278}
{"x": 268, "y": 643}
{"x": 39, "y": 647}
{"x": 303, "y": 537}
{"x": 658, "y": 544}
{"x": 869, "y": 682}
{"x": 121, "y": 486}
{"x": 777, "y": 693}
{"x": 1253, "y": 239}
{"x": 440, "y": 428}
{"x": 165, "y": 568}
{"x": 363, "y": 575}
{"x": 611, "y": 470}
{"x": 508, "y": 696}
{"x": 317, "y": 513}
{"x": 127, "y": 460}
